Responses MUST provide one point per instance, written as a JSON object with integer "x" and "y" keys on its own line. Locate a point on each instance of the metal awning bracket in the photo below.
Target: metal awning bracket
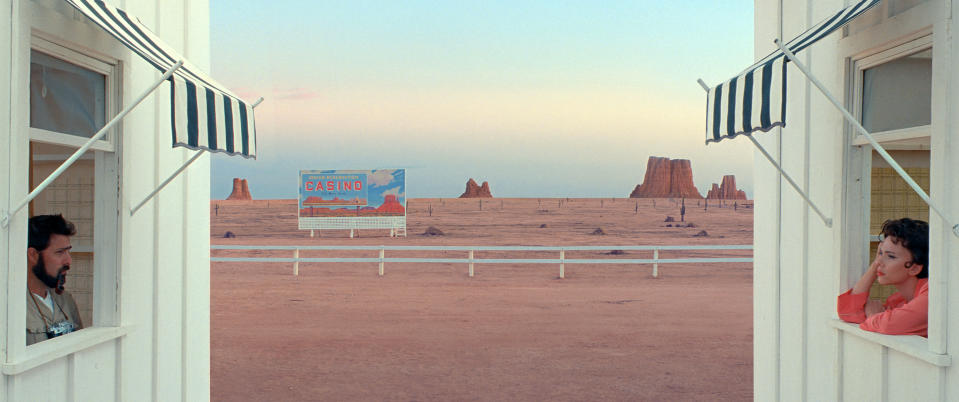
{"x": 177, "y": 173}
{"x": 872, "y": 141}
{"x": 703, "y": 84}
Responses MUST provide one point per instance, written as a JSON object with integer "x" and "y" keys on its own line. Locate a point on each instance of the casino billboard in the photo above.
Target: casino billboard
{"x": 352, "y": 199}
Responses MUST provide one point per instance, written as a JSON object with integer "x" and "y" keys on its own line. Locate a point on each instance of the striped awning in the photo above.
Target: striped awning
{"x": 205, "y": 115}
{"x": 756, "y": 99}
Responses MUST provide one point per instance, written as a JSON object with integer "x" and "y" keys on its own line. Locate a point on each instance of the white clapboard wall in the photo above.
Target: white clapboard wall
{"x": 802, "y": 351}
{"x": 150, "y": 334}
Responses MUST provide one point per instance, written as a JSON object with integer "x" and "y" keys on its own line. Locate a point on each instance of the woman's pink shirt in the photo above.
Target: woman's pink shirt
{"x": 898, "y": 317}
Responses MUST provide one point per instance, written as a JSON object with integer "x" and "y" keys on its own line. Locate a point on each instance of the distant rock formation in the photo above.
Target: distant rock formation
{"x": 476, "y": 191}
{"x": 726, "y": 191}
{"x": 667, "y": 178}
{"x": 241, "y": 191}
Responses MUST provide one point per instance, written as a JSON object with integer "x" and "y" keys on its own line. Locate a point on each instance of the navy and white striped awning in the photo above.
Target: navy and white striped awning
{"x": 205, "y": 115}
{"x": 756, "y": 99}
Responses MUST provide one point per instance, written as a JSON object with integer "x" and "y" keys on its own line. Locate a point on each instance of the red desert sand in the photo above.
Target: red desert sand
{"x": 340, "y": 332}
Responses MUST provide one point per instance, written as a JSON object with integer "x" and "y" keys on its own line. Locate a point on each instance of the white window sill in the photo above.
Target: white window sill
{"x": 50, "y": 350}
{"x": 912, "y": 345}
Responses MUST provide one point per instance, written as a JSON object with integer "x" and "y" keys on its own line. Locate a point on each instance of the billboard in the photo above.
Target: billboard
{"x": 352, "y": 199}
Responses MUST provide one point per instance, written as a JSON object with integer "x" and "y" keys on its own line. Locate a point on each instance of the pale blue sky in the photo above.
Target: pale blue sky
{"x": 541, "y": 99}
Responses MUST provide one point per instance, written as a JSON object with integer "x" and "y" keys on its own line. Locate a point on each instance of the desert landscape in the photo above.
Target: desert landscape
{"x": 338, "y": 331}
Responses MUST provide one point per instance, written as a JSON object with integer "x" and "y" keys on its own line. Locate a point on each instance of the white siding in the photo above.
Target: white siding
{"x": 6, "y": 80}
{"x": 794, "y": 223}
{"x": 766, "y": 254}
{"x": 38, "y": 384}
{"x": 862, "y": 370}
{"x": 195, "y": 376}
{"x": 946, "y": 163}
{"x": 94, "y": 373}
{"x": 163, "y": 294}
{"x": 799, "y": 268}
{"x": 909, "y": 377}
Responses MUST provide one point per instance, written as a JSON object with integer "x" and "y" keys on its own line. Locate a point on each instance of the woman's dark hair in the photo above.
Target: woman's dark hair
{"x": 42, "y": 226}
{"x": 913, "y": 235}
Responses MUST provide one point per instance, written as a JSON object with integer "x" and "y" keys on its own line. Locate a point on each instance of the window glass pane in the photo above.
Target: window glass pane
{"x": 64, "y": 97}
{"x": 891, "y": 198}
{"x": 898, "y": 94}
{"x": 899, "y": 6}
{"x": 72, "y": 195}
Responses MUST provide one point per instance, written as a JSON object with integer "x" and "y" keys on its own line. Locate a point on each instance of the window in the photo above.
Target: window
{"x": 897, "y": 95}
{"x": 893, "y": 98}
{"x": 891, "y": 198}
{"x": 65, "y": 98}
{"x": 896, "y": 107}
{"x": 72, "y": 95}
{"x": 72, "y": 194}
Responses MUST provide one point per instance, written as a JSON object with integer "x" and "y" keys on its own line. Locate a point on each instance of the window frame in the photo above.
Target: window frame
{"x": 91, "y": 61}
{"x": 106, "y": 246}
{"x": 854, "y": 258}
{"x": 911, "y": 138}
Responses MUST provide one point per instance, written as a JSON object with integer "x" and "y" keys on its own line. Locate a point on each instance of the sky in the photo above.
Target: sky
{"x": 539, "y": 98}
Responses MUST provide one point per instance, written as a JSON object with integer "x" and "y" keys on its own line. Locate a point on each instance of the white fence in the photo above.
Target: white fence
{"x": 562, "y": 260}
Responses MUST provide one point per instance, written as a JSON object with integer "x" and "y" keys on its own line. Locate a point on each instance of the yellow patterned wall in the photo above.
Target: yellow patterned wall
{"x": 892, "y": 198}
{"x": 72, "y": 195}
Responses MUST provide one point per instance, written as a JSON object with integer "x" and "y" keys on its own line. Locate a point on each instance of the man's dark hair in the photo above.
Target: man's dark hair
{"x": 42, "y": 226}
{"x": 913, "y": 235}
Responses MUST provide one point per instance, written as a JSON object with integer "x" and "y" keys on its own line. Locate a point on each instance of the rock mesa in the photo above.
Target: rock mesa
{"x": 476, "y": 191}
{"x": 241, "y": 191}
{"x": 667, "y": 178}
{"x": 726, "y": 191}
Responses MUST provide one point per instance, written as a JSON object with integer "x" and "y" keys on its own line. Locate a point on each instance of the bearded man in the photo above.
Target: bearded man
{"x": 51, "y": 310}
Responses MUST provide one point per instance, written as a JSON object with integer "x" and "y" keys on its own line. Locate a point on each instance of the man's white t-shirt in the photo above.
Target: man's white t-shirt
{"x": 46, "y": 300}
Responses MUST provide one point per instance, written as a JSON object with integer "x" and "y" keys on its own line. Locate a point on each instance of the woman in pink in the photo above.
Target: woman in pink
{"x": 902, "y": 260}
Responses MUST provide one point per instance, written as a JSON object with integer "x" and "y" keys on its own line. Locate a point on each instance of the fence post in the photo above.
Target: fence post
{"x": 471, "y": 263}
{"x": 562, "y": 264}
{"x": 655, "y": 264}
{"x": 382, "y": 255}
{"x": 296, "y": 262}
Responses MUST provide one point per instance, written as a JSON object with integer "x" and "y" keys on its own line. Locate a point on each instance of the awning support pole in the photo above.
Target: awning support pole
{"x": 76, "y": 155}
{"x": 176, "y": 173}
{"x": 165, "y": 182}
{"x": 872, "y": 141}
{"x": 825, "y": 220}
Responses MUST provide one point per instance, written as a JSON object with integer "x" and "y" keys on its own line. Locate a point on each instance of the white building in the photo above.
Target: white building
{"x": 141, "y": 278}
{"x": 895, "y": 68}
